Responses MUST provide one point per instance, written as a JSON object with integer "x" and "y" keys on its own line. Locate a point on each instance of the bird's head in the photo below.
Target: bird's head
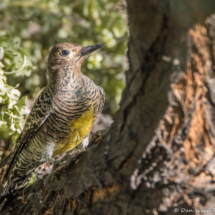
{"x": 68, "y": 58}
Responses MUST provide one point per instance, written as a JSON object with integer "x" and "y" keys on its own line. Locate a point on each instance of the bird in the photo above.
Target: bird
{"x": 61, "y": 117}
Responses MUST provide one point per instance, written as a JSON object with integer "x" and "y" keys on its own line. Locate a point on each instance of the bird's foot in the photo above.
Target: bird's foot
{"x": 50, "y": 177}
{"x": 56, "y": 164}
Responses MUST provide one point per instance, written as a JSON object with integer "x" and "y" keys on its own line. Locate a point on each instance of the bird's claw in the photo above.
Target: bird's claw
{"x": 48, "y": 179}
{"x": 55, "y": 165}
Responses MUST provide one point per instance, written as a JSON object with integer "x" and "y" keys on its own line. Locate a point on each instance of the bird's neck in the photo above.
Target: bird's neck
{"x": 64, "y": 81}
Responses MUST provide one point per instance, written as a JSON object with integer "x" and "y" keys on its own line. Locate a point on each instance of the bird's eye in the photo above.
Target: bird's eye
{"x": 65, "y": 52}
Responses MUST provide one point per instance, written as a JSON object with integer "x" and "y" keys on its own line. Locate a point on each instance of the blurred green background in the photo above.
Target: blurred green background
{"x": 29, "y": 29}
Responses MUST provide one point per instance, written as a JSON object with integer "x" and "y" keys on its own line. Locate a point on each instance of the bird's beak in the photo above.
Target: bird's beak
{"x": 89, "y": 49}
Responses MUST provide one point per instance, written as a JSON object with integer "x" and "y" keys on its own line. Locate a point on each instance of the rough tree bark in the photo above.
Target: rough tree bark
{"x": 158, "y": 156}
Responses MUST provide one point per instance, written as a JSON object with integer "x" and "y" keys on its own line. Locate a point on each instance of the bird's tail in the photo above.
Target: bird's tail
{"x": 15, "y": 185}
{"x": 11, "y": 189}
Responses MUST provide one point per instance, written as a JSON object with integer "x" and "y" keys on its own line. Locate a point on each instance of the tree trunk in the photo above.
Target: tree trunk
{"x": 157, "y": 157}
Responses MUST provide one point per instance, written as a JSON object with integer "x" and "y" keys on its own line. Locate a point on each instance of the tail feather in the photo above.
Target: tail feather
{"x": 15, "y": 185}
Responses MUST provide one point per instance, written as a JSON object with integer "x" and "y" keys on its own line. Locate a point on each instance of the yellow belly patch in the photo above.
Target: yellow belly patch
{"x": 79, "y": 130}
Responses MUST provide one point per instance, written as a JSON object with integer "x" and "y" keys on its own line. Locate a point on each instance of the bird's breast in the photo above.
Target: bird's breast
{"x": 79, "y": 129}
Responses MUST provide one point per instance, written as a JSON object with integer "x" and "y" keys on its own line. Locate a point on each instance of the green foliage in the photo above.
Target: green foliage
{"x": 39, "y": 24}
{"x": 14, "y": 56}
{"x": 31, "y": 180}
{"x": 12, "y": 109}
